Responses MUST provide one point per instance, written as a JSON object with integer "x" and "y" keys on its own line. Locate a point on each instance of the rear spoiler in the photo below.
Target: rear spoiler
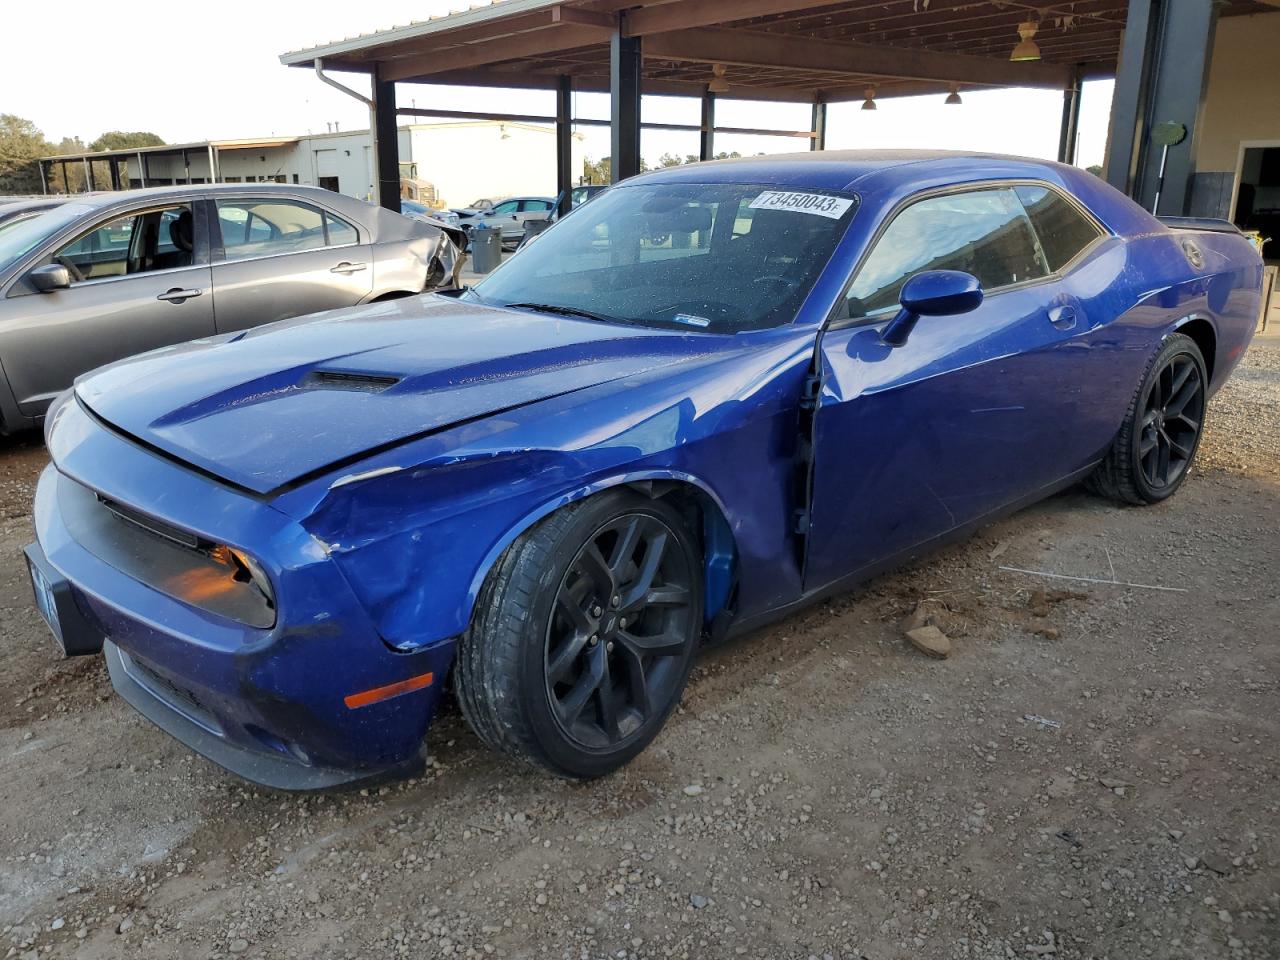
{"x": 1212, "y": 224}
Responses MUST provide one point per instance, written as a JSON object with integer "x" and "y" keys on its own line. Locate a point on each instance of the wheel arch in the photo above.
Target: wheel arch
{"x": 709, "y": 520}
{"x": 1202, "y": 331}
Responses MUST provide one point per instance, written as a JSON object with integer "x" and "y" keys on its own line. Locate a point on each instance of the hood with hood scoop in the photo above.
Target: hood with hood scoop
{"x": 267, "y": 408}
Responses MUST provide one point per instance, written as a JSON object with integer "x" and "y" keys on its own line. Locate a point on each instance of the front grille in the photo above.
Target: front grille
{"x": 167, "y": 558}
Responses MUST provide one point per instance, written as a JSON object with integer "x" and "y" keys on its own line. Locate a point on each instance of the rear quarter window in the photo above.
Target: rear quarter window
{"x": 1063, "y": 230}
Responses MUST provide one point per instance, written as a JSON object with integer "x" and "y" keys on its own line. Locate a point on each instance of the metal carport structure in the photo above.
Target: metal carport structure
{"x": 804, "y": 51}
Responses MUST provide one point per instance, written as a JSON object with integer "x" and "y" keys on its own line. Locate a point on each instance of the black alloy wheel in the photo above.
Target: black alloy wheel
{"x": 618, "y": 633}
{"x": 584, "y": 634}
{"x": 1157, "y": 442}
{"x": 1171, "y": 421}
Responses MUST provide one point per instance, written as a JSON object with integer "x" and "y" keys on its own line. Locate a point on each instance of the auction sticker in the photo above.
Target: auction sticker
{"x": 819, "y": 204}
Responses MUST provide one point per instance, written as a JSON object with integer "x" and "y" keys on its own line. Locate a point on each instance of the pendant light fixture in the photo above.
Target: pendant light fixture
{"x": 953, "y": 98}
{"x": 870, "y": 102}
{"x": 1027, "y": 48}
{"x": 718, "y": 83}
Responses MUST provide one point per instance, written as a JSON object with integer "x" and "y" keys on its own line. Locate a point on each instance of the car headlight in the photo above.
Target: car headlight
{"x": 55, "y": 410}
{"x": 243, "y": 569}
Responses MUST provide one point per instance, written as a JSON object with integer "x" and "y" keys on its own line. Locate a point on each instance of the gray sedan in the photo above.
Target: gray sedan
{"x": 103, "y": 277}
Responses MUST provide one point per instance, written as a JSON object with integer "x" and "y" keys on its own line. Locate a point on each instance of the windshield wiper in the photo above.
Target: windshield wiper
{"x": 566, "y": 311}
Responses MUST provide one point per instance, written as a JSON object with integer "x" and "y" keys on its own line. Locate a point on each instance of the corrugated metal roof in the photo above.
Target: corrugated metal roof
{"x": 479, "y": 13}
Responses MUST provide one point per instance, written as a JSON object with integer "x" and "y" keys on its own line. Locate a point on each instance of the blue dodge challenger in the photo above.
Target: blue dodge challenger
{"x": 711, "y": 395}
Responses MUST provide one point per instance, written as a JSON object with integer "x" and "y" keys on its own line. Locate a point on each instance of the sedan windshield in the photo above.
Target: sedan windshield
{"x": 24, "y": 236}
{"x": 721, "y": 257}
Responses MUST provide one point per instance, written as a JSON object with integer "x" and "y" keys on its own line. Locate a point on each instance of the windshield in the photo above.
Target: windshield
{"x": 720, "y": 257}
{"x": 25, "y": 235}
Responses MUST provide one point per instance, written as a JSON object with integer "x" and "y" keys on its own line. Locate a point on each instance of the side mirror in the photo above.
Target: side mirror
{"x": 934, "y": 293}
{"x": 50, "y": 277}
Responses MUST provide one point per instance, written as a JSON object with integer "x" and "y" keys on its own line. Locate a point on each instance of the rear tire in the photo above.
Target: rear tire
{"x": 1153, "y": 452}
{"x": 583, "y": 636}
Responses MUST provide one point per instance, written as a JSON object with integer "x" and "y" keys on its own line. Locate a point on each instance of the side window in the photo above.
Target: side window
{"x": 265, "y": 228}
{"x": 505, "y": 209}
{"x": 534, "y": 206}
{"x": 982, "y": 232}
{"x": 154, "y": 240}
{"x": 341, "y": 233}
{"x": 1063, "y": 230}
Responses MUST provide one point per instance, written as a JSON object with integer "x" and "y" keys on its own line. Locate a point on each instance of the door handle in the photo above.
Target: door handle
{"x": 1063, "y": 317}
{"x": 177, "y": 295}
{"x": 348, "y": 267}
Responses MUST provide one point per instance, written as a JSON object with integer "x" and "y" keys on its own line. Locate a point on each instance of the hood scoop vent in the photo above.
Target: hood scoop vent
{"x": 343, "y": 380}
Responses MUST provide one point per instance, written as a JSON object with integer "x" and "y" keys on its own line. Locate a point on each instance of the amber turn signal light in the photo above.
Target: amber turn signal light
{"x": 378, "y": 694}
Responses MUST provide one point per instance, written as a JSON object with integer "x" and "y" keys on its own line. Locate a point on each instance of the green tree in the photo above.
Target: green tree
{"x": 21, "y": 145}
{"x": 1095, "y": 169}
{"x": 123, "y": 140}
{"x": 596, "y": 171}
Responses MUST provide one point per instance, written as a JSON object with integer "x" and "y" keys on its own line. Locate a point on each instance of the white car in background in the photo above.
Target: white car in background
{"x": 510, "y": 216}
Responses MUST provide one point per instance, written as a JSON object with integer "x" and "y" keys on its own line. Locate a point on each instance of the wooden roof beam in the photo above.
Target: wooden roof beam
{"x": 750, "y": 48}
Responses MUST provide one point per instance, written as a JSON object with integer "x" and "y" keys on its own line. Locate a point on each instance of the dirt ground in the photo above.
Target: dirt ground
{"x": 1093, "y": 773}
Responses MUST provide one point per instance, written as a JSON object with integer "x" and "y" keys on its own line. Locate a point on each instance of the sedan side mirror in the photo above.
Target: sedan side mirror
{"x": 934, "y": 293}
{"x": 50, "y": 277}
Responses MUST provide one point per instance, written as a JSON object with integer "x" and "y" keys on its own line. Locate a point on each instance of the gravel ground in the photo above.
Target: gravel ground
{"x": 1092, "y": 773}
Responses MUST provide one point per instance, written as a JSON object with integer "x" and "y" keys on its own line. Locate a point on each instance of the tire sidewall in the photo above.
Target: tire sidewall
{"x": 1175, "y": 345}
{"x": 559, "y": 751}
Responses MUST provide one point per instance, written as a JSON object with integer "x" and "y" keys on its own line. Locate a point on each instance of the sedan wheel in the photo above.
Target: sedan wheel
{"x": 584, "y": 635}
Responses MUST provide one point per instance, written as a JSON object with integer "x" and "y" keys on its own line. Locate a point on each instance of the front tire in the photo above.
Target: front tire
{"x": 1157, "y": 444}
{"x": 584, "y": 635}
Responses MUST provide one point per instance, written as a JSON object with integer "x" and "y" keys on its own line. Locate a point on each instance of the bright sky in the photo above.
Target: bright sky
{"x": 215, "y": 73}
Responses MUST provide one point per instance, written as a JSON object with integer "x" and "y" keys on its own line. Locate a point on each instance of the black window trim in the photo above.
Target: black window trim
{"x": 882, "y": 315}
{"x": 218, "y": 251}
{"x": 199, "y": 253}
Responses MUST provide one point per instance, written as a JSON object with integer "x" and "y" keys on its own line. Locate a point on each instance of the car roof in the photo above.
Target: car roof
{"x": 9, "y": 207}
{"x": 112, "y": 197}
{"x": 845, "y": 169}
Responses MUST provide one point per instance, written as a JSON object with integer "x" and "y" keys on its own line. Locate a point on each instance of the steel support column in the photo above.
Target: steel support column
{"x": 564, "y": 141}
{"x": 707, "y": 136}
{"x": 44, "y": 179}
{"x": 386, "y": 144}
{"x": 1070, "y": 122}
{"x": 115, "y": 173}
{"x": 818, "y": 123}
{"x": 624, "y": 102}
{"x": 1164, "y": 67}
{"x": 89, "y": 183}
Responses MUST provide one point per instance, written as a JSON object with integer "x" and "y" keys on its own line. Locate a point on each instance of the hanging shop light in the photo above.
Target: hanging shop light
{"x": 1027, "y": 48}
{"x": 718, "y": 83}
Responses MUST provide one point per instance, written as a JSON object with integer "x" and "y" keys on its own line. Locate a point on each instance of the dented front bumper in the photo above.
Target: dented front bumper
{"x": 275, "y": 705}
